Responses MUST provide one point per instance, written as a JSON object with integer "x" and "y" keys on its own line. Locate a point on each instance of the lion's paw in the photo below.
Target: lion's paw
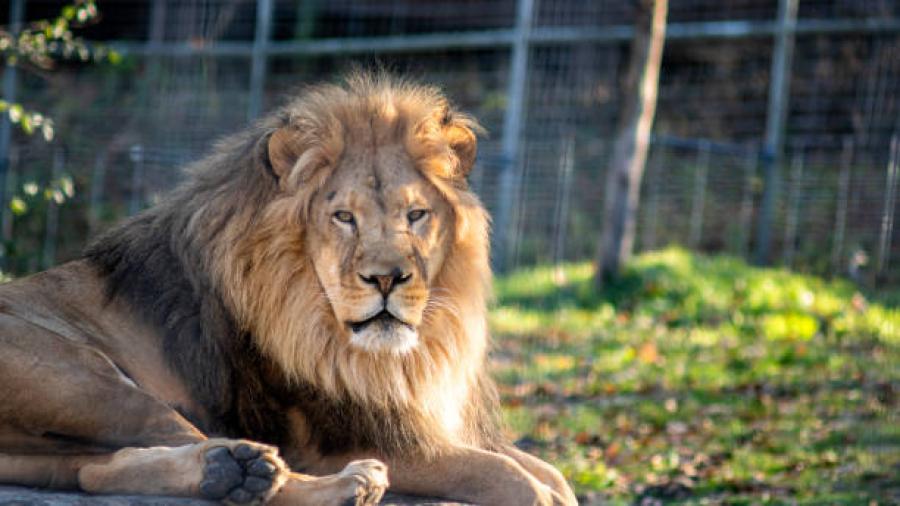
{"x": 242, "y": 472}
{"x": 364, "y": 481}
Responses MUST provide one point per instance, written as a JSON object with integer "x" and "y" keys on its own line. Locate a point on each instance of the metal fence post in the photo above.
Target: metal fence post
{"x": 137, "y": 179}
{"x": 840, "y": 217}
{"x": 776, "y": 116}
{"x": 512, "y": 131}
{"x": 258, "y": 66}
{"x": 698, "y": 202}
{"x": 563, "y": 195}
{"x": 890, "y": 200}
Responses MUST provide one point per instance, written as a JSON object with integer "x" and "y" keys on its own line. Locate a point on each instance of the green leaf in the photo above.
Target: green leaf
{"x": 15, "y": 113}
{"x": 27, "y": 125}
{"x": 18, "y": 206}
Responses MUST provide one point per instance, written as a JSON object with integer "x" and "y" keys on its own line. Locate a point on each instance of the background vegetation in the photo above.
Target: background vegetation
{"x": 702, "y": 380}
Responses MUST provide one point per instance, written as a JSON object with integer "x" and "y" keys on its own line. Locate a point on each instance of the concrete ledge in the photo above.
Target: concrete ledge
{"x": 20, "y": 496}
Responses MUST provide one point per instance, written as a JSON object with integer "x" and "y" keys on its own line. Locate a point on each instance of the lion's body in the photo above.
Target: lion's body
{"x": 60, "y": 343}
{"x": 291, "y": 293}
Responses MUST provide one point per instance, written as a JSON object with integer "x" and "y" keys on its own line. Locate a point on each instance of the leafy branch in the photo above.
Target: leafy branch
{"x": 58, "y": 190}
{"x": 41, "y": 44}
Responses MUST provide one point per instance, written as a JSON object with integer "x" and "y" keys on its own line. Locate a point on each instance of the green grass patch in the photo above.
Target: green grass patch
{"x": 703, "y": 380}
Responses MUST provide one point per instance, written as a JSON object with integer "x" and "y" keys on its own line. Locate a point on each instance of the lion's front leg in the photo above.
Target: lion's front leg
{"x": 232, "y": 471}
{"x": 361, "y": 483}
{"x": 476, "y": 476}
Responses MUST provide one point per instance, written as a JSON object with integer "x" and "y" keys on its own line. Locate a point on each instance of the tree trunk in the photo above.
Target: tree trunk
{"x": 623, "y": 181}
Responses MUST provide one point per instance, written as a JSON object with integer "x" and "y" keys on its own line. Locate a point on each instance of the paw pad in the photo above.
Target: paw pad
{"x": 239, "y": 475}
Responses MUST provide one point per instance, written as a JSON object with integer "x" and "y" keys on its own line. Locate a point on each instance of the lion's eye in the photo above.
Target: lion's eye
{"x": 344, "y": 217}
{"x": 416, "y": 215}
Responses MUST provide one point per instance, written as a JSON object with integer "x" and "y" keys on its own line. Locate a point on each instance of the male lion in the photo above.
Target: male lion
{"x": 310, "y": 300}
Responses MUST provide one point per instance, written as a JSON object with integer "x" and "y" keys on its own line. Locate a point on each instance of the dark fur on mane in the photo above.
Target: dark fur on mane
{"x": 150, "y": 262}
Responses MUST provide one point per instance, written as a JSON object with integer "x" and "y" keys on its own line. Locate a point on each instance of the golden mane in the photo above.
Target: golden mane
{"x": 318, "y": 283}
{"x": 262, "y": 269}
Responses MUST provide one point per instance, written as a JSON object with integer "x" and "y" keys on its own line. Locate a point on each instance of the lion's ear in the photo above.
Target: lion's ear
{"x": 284, "y": 150}
{"x": 460, "y": 135}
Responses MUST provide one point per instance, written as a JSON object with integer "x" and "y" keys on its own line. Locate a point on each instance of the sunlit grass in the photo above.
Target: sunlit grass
{"x": 699, "y": 379}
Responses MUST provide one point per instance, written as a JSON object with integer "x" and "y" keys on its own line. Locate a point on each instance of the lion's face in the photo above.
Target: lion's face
{"x": 357, "y": 259}
{"x": 378, "y": 234}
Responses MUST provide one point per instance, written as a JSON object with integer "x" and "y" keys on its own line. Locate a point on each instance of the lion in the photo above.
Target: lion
{"x": 302, "y": 321}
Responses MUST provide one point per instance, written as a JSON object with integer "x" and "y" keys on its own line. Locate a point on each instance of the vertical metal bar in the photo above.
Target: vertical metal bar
{"x": 776, "y": 117}
{"x": 98, "y": 183}
{"x": 563, "y": 193}
{"x": 840, "y": 213}
{"x": 137, "y": 179}
{"x": 793, "y": 213}
{"x": 512, "y": 132}
{"x": 10, "y": 82}
{"x": 51, "y": 227}
{"x": 746, "y": 214}
{"x": 780, "y": 78}
{"x": 890, "y": 199}
{"x": 260, "y": 58}
{"x": 149, "y": 85}
{"x": 476, "y": 179}
{"x": 895, "y": 142}
{"x": 698, "y": 202}
{"x": 517, "y": 221}
{"x": 157, "y": 23}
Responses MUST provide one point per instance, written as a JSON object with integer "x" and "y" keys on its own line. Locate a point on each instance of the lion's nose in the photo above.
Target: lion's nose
{"x": 387, "y": 282}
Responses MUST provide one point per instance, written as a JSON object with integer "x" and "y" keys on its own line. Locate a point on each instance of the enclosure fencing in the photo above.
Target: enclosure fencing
{"x": 772, "y": 138}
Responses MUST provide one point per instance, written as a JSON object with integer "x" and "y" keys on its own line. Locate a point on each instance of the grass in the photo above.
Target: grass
{"x": 702, "y": 380}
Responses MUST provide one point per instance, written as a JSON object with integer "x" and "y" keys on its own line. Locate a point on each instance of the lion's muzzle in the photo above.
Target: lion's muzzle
{"x": 386, "y": 282}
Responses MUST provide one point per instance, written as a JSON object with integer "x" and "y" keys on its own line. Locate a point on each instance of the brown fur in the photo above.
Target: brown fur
{"x": 249, "y": 291}
{"x": 267, "y": 278}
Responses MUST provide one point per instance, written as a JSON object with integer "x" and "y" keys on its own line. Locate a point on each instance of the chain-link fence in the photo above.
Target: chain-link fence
{"x": 729, "y": 163}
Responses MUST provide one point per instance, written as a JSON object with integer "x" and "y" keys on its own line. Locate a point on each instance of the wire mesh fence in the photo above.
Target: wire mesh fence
{"x": 196, "y": 70}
